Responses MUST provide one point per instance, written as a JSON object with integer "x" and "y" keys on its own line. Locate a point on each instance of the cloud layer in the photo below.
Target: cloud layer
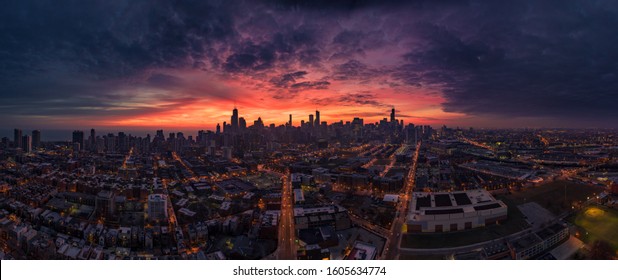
{"x": 161, "y": 63}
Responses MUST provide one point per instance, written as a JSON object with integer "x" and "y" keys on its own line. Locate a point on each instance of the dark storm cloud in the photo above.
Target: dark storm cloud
{"x": 530, "y": 62}
{"x": 310, "y": 85}
{"x": 351, "y": 99}
{"x": 75, "y": 54}
{"x": 353, "y": 70}
{"x": 546, "y": 59}
{"x": 288, "y": 79}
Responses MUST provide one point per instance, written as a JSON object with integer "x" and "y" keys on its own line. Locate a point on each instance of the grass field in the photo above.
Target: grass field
{"x": 551, "y": 196}
{"x": 514, "y": 223}
{"x": 598, "y": 223}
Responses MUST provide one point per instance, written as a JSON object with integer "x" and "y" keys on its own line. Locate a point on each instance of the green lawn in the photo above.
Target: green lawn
{"x": 598, "y": 223}
{"x": 551, "y": 196}
{"x": 513, "y": 224}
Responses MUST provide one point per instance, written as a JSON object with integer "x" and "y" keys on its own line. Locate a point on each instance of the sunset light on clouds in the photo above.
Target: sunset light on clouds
{"x": 188, "y": 64}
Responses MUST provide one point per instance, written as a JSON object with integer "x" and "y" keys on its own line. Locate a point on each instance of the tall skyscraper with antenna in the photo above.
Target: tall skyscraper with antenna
{"x": 235, "y": 119}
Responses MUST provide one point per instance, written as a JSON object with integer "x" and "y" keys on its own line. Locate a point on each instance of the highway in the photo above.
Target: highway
{"x": 391, "y": 251}
{"x": 287, "y": 235}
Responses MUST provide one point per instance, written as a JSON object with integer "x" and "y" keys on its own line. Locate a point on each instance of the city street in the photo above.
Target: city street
{"x": 287, "y": 237}
{"x": 391, "y": 251}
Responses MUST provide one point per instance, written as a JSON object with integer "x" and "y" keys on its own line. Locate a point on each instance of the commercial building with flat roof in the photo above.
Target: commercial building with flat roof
{"x": 453, "y": 211}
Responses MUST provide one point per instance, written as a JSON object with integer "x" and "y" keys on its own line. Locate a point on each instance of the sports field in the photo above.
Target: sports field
{"x": 557, "y": 196}
{"x": 597, "y": 222}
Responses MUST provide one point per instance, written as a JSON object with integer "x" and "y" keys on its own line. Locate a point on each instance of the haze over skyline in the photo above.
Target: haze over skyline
{"x": 145, "y": 65}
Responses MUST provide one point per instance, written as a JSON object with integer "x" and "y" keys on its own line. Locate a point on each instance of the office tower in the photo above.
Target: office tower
{"x": 242, "y": 123}
{"x": 218, "y": 129}
{"x": 258, "y": 123}
{"x": 17, "y": 138}
{"x": 93, "y": 140}
{"x": 393, "y": 115}
{"x": 123, "y": 142}
{"x": 157, "y": 207}
{"x": 5, "y": 142}
{"x": 235, "y": 119}
{"x": 26, "y": 143}
{"x": 317, "y": 118}
{"x": 310, "y": 120}
{"x": 160, "y": 135}
{"x": 290, "y": 123}
{"x": 110, "y": 143}
{"x": 36, "y": 139}
{"x": 201, "y": 137}
{"x": 212, "y": 148}
{"x": 78, "y": 137}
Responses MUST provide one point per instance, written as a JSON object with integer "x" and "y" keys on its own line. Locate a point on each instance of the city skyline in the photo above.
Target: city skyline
{"x": 182, "y": 66}
{"x": 234, "y": 123}
{"x": 65, "y": 134}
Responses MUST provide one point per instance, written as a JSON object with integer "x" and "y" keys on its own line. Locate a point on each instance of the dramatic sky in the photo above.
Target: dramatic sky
{"x": 185, "y": 64}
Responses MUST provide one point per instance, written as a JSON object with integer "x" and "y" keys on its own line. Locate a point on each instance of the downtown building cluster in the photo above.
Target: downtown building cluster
{"x": 356, "y": 190}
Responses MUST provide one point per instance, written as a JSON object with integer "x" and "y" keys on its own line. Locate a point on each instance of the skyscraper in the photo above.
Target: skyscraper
{"x": 17, "y": 138}
{"x": 78, "y": 137}
{"x": 235, "y": 119}
{"x": 310, "y": 120}
{"x": 242, "y": 123}
{"x": 92, "y": 141}
{"x": 36, "y": 139}
{"x": 393, "y": 115}
{"x": 317, "y": 118}
{"x": 160, "y": 135}
{"x": 290, "y": 123}
{"x": 26, "y": 143}
{"x": 218, "y": 128}
{"x": 258, "y": 123}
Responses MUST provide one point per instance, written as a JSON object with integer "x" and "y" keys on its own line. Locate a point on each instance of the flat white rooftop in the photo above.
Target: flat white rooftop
{"x": 446, "y": 203}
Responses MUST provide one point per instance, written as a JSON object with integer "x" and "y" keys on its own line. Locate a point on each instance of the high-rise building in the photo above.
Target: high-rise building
{"x": 36, "y": 139}
{"x": 310, "y": 120}
{"x": 218, "y": 129}
{"x": 92, "y": 141}
{"x": 393, "y": 115}
{"x": 317, "y": 118}
{"x": 258, "y": 123}
{"x": 157, "y": 207}
{"x": 290, "y": 123}
{"x": 160, "y": 135}
{"x": 235, "y": 119}
{"x": 78, "y": 137}
{"x": 242, "y": 123}
{"x": 110, "y": 143}
{"x": 17, "y": 138}
{"x": 5, "y": 142}
{"x": 26, "y": 143}
{"x": 123, "y": 142}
